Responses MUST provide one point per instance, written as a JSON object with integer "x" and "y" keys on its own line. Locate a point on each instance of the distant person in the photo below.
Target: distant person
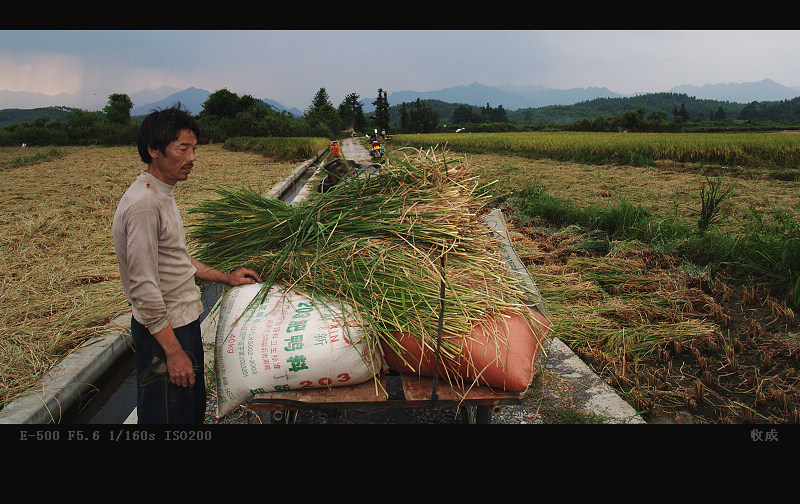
{"x": 158, "y": 275}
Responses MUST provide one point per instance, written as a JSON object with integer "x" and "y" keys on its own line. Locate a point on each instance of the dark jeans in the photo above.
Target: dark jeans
{"x": 158, "y": 400}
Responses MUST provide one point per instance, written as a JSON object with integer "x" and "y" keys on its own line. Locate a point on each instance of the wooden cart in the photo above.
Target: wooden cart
{"x": 401, "y": 390}
{"x": 409, "y": 391}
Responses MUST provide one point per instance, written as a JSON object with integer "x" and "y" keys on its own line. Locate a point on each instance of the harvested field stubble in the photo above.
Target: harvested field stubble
{"x": 678, "y": 346}
{"x": 59, "y": 280}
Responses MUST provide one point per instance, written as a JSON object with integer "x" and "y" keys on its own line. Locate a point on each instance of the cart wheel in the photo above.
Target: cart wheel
{"x": 477, "y": 414}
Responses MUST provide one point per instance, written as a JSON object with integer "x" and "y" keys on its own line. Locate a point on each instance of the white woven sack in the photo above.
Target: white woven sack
{"x": 287, "y": 342}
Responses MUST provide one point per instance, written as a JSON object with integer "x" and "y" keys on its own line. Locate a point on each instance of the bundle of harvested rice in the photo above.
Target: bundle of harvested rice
{"x": 378, "y": 243}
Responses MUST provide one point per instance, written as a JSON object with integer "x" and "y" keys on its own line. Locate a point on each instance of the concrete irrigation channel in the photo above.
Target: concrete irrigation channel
{"x": 96, "y": 383}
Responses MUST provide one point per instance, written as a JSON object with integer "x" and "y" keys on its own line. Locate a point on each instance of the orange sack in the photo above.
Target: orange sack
{"x": 500, "y": 353}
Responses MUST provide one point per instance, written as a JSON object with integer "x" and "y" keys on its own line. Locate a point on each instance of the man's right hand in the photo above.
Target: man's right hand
{"x": 180, "y": 368}
{"x": 179, "y": 365}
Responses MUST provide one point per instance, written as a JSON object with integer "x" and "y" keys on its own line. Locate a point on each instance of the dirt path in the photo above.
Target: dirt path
{"x": 353, "y": 150}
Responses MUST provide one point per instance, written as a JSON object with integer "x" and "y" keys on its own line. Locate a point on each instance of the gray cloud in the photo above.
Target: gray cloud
{"x": 290, "y": 66}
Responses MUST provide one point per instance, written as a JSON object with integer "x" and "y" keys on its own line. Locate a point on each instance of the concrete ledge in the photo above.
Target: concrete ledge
{"x": 595, "y": 395}
{"x": 61, "y": 387}
{"x": 285, "y": 185}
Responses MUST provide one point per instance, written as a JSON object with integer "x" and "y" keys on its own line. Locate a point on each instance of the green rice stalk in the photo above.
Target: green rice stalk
{"x": 374, "y": 243}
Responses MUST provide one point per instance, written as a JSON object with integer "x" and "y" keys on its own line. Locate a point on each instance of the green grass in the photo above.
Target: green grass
{"x": 765, "y": 250}
{"x": 34, "y": 158}
{"x": 279, "y": 147}
{"x": 571, "y": 416}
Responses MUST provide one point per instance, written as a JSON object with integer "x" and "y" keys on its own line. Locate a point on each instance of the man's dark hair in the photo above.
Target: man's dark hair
{"x": 161, "y": 127}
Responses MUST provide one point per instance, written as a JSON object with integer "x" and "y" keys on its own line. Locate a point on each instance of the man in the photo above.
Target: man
{"x": 158, "y": 274}
{"x": 337, "y": 170}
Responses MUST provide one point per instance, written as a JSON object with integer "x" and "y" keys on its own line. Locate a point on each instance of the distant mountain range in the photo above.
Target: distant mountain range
{"x": 192, "y": 99}
{"x": 746, "y": 92}
{"x": 143, "y": 101}
{"x": 521, "y": 97}
{"x": 509, "y": 96}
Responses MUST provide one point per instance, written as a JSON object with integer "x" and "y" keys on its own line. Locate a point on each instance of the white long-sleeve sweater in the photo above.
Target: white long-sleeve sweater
{"x": 157, "y": 275}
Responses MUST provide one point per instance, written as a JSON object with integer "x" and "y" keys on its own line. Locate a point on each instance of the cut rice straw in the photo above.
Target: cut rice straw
{"x": 375, "y": 243}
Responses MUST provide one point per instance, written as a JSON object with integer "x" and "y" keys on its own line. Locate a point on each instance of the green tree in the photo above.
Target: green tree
{"x": 465, "y": 114}
{"x": 381, "y": 116}
{"x": 351, "y": 112}
{"x": 750, "y": 111}
{"x": 226, "y": 114}
{"x": 680, "y": 112}
{"x": 416, "y": 117}
{"x": 405, "y": 123}
{"x": 118, "y": 109}
{"x": 320, "y": 100}
{"x": 658, "y": 116}
{"x": 85, "y": 128}
{"x": 221, "y": 103}
{"x": 489, "y": 114}
{"x": 249, "y": 104}
{"x": 322, "y": 117}
{"x": 633, "y": 120}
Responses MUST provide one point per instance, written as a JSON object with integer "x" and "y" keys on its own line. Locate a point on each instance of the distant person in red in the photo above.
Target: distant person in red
{"x": 158, "y": 274}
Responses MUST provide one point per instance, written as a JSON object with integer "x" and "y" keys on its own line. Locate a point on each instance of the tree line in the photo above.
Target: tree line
{"x": 111, "y": 126}
{"x": 226, "y": 114}
{"x": 427, "y": 116}
{"x": 654, "y": 112}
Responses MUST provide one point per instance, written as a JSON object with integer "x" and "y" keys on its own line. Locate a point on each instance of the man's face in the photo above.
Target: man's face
{"x": 177, "y": 160}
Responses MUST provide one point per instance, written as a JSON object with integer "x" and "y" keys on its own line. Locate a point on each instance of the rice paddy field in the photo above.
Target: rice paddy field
{"x": 779, "y": 151}
{"x": 59, "y": 280}
{"x": 678, "y": 341}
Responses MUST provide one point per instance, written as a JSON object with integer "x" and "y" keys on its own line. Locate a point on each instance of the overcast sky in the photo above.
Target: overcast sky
{"x": 290, "y": 66}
